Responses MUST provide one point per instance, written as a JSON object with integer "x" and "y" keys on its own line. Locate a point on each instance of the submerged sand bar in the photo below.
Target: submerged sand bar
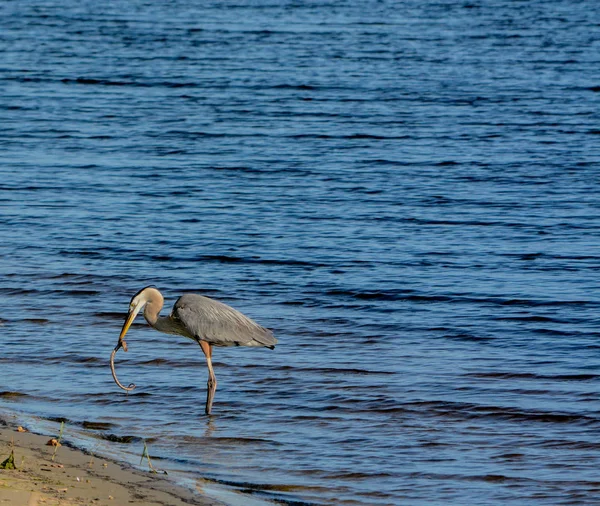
{"x": 76, "y": 478}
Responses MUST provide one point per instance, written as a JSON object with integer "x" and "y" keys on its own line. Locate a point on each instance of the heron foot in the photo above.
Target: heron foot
{"x": 211, "y": 388}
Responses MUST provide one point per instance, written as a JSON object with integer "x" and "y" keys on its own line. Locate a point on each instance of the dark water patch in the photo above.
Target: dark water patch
{"x": 541, "y": 303}
{"x": 370, "y": 295}
{"x": 349, "y": 405}
{"x": 302, "y": 87}
{"x": 431, "y": 298}
{"x": 388, "y": 162}
{"x": 530, "y": 391}
{"x": 240, "y": 169}
{"x": 464, "y": 298}
{"x": 510, "y": 456}
{"x": 458, "y": 335}
{"x": 110, "y": 315}
{"x": 8, "y": 394}
{"x": 68, "y": 358}
{"x": 553, "y": 332}
{"x": 336, "y": 371}
{"x": 277, "y": 487}
{"x": 82, "y": 253}
{"x": 144, "y": 84}
{"x": 237, "y": 441}
{"x": 566, "y": 444}
{"x": 293, "y": 302}
{"x": 199, "y": 135}
{"x": 114, "y": 438}
{"x": 90, "y": 425}
{"x": 155, "y": 361}
{"x": 438, "y": 200}
{"x": 530, "y": 256}
{"x": 120, "y": 395}
{"x": 358, "y": 475}
{"x": 532, "y": 318}
{"x": 357, "y": 136}
{"x": 36, "y": 321}
{"x": 321, "y": 370}
{"x": 534, "y": 376}
{"x": 258, "y": 260}
{"x": 538, "y": 416}
{"x": 72, "y": 275}
{"x": 75, "y": 278}
{"x": 495, "y": 478}
{"x": 572, "y": 257}
{"x": 91, "y": 360}
{"x": 464, "y": 223}
{"x": 432, "y": 444}
{"x": 181, "y": 364}
{"x": 376, "y": 137}
{"x": 471, "y": 411}
{"x": 20, "y": 291}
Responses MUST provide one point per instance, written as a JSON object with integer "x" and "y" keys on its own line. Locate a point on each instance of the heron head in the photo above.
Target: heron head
{"x": 138, "y": 301}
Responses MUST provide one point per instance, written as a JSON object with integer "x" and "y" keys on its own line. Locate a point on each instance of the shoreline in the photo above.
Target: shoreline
{"x": 77, "y": 478}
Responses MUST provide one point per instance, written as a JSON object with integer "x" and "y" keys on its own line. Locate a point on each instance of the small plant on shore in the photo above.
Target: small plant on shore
{"x": 60, "y": 434}
{"x": 9, "y": 463}
{"x": 147, "y": 455}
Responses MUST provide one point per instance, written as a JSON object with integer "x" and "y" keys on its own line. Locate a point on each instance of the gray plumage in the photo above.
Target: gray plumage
{"x": 219, "y": 324}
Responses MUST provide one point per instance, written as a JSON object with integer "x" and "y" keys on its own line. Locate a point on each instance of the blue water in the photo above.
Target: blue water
{"x": 407, "y": 193}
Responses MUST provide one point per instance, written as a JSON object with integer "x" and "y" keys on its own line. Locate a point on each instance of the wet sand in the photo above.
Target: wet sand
{"x": 76, "y": 478}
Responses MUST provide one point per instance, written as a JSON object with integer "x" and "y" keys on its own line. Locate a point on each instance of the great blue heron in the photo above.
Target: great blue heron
{"x": 206, "y": 321}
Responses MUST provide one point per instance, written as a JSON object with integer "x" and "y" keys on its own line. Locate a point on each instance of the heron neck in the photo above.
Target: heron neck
{"x": 164, "y": 324}
{"x": 153, "y": 307}
{"x": 161, "y": 323}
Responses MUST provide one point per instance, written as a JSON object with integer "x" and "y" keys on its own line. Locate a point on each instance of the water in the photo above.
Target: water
{"x": 407, "y": 193}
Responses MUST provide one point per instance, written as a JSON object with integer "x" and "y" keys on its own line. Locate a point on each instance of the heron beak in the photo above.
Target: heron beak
{"x": 128, "y": 321}
{"x": 130, "y": 317}
{"x": 122, "y": 344}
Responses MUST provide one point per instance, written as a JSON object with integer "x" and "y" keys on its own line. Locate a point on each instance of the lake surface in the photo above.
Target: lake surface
{"x": 407, "y": 193}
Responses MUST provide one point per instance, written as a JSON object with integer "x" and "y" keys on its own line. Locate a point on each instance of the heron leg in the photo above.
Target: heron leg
{"x": 212, "y": 379}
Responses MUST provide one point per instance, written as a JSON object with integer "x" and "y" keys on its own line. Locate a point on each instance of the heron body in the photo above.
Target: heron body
{"x": 202, "y": 319}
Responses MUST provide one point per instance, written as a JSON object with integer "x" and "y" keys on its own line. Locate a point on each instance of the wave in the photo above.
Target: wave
{"x": 323, "y": 370}
{"x": 132, "y": 83}
{"x": 532, "y": 376}
{"x": 114, "y": 438}
{"x": 471, "y": 411}
{"x": 263, "y": 261}
{"x": 91, "y": 425}
{"x": 11, "y": 394}
{"x": 460, "y": 298}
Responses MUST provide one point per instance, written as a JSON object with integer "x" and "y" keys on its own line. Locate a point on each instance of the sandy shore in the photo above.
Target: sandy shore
{"x": 75, "y": 478}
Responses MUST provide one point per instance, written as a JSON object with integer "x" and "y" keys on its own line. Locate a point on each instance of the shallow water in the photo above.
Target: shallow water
{"x": 406, "y": 193}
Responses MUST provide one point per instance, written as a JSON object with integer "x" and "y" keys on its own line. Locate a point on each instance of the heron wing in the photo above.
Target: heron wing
{"x": 219, "y": 324}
